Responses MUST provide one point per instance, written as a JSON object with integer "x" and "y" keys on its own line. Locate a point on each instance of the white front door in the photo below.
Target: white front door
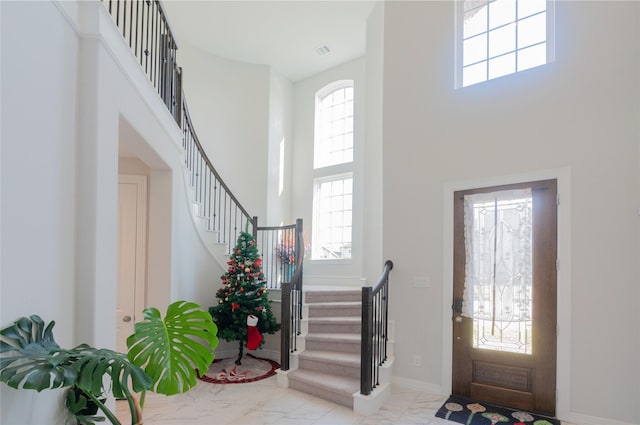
{"x": 132, "y": 237}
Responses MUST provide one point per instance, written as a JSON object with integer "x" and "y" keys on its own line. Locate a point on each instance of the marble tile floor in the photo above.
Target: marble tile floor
{"x": 264, "y": 403}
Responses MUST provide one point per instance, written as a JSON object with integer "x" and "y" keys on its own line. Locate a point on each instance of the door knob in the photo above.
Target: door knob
{"x": 126, "y": 319}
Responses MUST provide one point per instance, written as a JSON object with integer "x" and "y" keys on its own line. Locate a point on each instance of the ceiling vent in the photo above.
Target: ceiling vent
{"x": 322, "y": 50}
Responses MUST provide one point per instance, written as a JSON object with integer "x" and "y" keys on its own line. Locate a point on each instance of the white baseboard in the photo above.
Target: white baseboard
{"x": 580, "y": 419}
{"x": 416, "y": 385}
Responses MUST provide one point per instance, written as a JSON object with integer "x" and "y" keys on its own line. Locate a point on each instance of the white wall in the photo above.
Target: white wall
{"x": 229, "y": 106}
{"x": 241, "y": 113}
{"x": 279, "y": 152}
{"x": 579, "y": 113}
{"x": 38, "y": 102}
{"x": 304, "y": 95}
{"x": 373, "y": 261}
{"x": 71, "y": 92}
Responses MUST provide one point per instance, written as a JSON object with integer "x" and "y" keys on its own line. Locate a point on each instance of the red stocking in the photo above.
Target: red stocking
{"x": 254, "y": 338}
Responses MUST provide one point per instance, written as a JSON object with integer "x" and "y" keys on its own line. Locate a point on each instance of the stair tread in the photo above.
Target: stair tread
{"x": 340, "y": 384}
{"x": 336, "y": 291}
{"x": 334, "y": 337}
{"x": 336, "y": 304}
{"x": 331, "y": 356}
{"x": 336, "y": 319}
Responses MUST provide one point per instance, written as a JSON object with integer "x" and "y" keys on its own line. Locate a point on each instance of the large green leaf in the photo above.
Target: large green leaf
{"x": 170, "y": 349}
{"x": 31, "y": 358}
{"x": 93, "y": 363}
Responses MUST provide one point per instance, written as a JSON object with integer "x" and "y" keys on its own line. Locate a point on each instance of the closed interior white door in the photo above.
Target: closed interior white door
{"x": 132, "y": 214}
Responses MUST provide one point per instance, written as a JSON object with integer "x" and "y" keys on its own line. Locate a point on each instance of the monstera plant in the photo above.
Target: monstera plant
{"x": 164, "y": 355}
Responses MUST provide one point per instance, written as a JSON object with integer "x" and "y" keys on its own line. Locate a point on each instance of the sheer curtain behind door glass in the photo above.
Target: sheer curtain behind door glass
{"x": 498, "y": 269}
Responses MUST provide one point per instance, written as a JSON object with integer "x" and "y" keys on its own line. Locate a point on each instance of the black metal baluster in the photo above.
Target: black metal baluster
{"x": 135, "y": 43}
{"x": 378, "y": 338}
{"x": 124, "y": 19}
{"x": 161, "y": 40}
{"x": 146, "y": 48}
{"x": 224, "y": 223}
{"x": 142, "y": 30}
{"x": 130, "y": 38}
{"x": 152, "y": 50}
{"x": 208, "y": 204}
{"x": 200, "y": 184}
{"x": 386, "y": 317}
{"x": 215, "y": 206}
{"x": 374, "y": 360}
{"x": 154, "y": 46}
{"x": 235, "y": 221}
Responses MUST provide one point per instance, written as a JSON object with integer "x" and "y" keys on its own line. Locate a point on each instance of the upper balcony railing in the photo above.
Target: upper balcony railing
{"x": 145, "y": 28}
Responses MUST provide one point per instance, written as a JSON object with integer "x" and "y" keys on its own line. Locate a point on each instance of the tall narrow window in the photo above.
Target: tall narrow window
{"x": 333, "y": 219}
{"x": 501, "y": 37}
{"x": 333, "y": 172}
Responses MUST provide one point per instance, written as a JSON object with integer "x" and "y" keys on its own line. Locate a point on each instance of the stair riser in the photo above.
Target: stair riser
{"x": 317, "y": 311}
{"x": 316, "y": 325}
{"x": 352, "y": 371}
{"x": 335, "y": 397}
{"x": 342, "y": 328}
{"x": 326, "y": 297}
{"x": 343, "y": 347}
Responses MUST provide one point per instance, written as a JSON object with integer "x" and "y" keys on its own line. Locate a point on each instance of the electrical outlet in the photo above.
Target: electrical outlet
{"x": 417, "y": 360}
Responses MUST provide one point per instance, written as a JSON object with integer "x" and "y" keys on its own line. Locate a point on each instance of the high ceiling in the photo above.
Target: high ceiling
{"x": 283, "y": 34}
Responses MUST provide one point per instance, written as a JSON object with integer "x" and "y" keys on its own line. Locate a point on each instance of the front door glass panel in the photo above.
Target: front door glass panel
{"x": 498, "y": 282}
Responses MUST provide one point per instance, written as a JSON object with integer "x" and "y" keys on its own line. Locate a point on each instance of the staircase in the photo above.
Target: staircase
{"x": 327, "y": 361}
{"x": 329, "y": 366}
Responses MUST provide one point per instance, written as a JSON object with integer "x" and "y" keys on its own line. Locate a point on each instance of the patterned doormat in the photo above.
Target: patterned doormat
{"x": 252, "y": 369}
{"x": 469, "y": 412}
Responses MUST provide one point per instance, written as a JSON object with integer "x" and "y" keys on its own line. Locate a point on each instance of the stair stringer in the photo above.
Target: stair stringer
{"x": 207, "y": 237}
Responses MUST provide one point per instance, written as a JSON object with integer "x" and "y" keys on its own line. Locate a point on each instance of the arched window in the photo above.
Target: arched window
{"x": 334, "y": 125}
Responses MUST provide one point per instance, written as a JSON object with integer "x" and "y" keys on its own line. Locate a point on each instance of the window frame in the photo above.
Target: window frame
{"x": 459, "y": 43}
{"x": 325, "y": 173}
{"x": 317, "y": 145}
{"x": 317, "y": 182}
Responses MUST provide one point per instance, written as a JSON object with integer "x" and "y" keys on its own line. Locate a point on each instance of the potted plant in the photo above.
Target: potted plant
{"x": 163, "y": 357}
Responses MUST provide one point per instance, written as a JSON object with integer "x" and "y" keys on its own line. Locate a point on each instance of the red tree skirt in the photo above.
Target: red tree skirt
{"x": 225, "y": 371}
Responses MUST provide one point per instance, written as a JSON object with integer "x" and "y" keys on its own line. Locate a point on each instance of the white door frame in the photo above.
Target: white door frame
{"x": 563, "y": 355}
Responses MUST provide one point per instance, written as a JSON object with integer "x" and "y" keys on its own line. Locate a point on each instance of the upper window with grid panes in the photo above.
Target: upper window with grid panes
{"x": 501, "y": 37}
{"x": 334, "y": 126}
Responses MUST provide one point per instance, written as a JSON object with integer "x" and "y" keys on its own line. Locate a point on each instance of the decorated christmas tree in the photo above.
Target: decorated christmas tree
{"x": 244, "y": 312}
